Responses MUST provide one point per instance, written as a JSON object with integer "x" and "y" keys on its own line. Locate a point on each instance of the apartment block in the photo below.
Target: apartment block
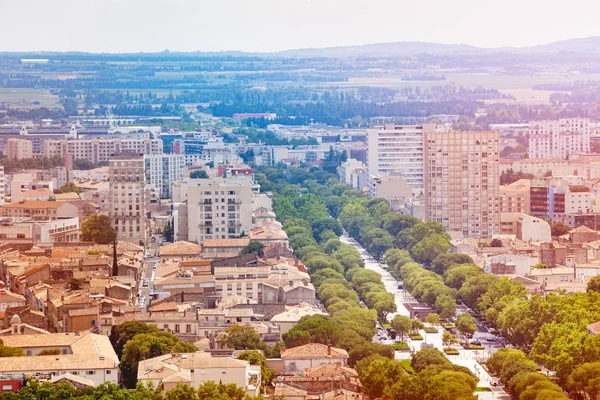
{"x": 218, "y": 208}
{"x": 19, "y": 149}
{"x": 587, "y": 169}
{"x": 515, "y": 198}
{"x": 99, "y": 150}
{"x": 127, "y": 197}
{"x": 163, "y": 169}
{"x": 398, "y": 149}
{"x": 353, "y": 172}
{"x": 462, "y": 190}
{"x": 559, "y": 139}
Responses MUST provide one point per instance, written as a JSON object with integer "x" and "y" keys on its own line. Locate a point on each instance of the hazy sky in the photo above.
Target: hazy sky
{"x": 271, "y": 25}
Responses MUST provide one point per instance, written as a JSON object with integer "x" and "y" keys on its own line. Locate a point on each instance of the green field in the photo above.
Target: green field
{"x": 26, "y": 97}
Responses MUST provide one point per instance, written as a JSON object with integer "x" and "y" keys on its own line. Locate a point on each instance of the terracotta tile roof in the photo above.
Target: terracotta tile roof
{"x": 313, "y": 350}
{"x": 582, "y": 229}
{"x": 166, "y": 306}
{"x": 8, "y": 297}
{"x": 63, "y": 362}
{"x": 282, "y": 391}
{"x": 67, "y": 196}
{"x": 83, "y": 311}
{"x": 35, "y": 204}
{"x": 226, "y": 242}
{"x": 73, "y": 378}
{"x": 330, "y": 370}
{"x": 180, "y": 248}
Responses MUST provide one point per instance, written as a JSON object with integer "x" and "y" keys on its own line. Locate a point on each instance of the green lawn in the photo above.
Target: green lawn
{"x": 26, "y": 97}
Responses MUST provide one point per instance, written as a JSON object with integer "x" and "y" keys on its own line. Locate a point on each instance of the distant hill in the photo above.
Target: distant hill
{"x": 404, "y": 49}
{"x": 590, "y": 45}
{"x": 395, "y": 49}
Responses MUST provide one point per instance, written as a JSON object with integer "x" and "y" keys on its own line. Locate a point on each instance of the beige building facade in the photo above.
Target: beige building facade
{"x": 462, "y": 179}
{"x": 127, "y": 197}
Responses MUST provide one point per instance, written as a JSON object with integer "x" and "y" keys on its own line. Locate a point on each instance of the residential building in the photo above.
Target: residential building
{"x": 462, "y": 182}
{"x": 297, "y": 359}
{"x": 221, "y": 248}
{"x": 398, "y": 149}
{"x": 40, "y": 210}
{"x": 85, "y": 354}
{"x": 559, "y": 139}
{"x": 127, "y": 197}
{"x": 392, "y": 188}
{"x": 515, "y": 197}
{"x": 180, "y": 250}
{"x": 353, "y": 172}
{"x": 219, "y": 208}
{"x": 163, "y": 169}
{"x": 587, "y": 169}
{"x": 9, "y": 300}
{"x": 525, "y": 227}
{"x": 197, "y": 368}
{"x": 99, "y": 150}
{"x": 19, "y": 149}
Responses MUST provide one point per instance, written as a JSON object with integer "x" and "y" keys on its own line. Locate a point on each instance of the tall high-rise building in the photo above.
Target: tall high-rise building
{"x": 462, "y": 182}
{"x": 398, "y": 150}
{"x": 126, "y": 192}
{"x": 2, "y": 185}
{"x": 559, "y": 139}
{"x": 163, "y": 169}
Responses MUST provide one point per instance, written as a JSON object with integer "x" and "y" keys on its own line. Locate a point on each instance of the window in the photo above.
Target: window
{"x": 223, "y": 371}
{"x": 108, "y": 372}
{"x": 91, "y": 372}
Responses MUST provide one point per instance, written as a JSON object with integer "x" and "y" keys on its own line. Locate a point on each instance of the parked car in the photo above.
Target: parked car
{"x": 476, "y": 342}
{"x": 490, "y": 338}
{"x": 145, "y": 282}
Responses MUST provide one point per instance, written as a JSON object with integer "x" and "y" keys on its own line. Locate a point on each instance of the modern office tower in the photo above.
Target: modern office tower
{"x": 559, "y": 139}
{"x": 19, "y": 149}
{"x": 219, "y": 208}
{"x": 98, "y": 150}
{"x": 163, "y": 169}
{"x": 462, "y": 182}
{"x": 398, "y": 150}
{"x": 126, "y": 191}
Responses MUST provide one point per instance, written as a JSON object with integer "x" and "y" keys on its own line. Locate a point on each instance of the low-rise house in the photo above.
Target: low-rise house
{"x": 593, "y": 329}
{"x": 197, "y": 368}
{"x": 85, "y": 354}
{"x": 221, "y": 248}
{"x": 292, "y": 315}
{"x": 297, "y": 359}
{"x": 8, "y": 299}
{"x": 268, "y": 235}
{"x": 40, "y": 209}
{"x": 324, "y": 381}
{"x": 180, "y": 250}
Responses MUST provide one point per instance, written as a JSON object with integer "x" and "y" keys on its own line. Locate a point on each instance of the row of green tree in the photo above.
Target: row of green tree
{"x": 63, "y": 391}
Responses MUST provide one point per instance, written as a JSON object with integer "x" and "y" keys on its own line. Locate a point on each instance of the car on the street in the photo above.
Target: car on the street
{"x": 476, "y": 342}
{"x": 145, "y": 282}
{"x": 490, "y": 338}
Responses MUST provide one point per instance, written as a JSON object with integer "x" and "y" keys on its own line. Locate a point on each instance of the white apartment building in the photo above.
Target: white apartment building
{"x": 462, "y": 182}
{"x": 587, "y": 169}
{"x": 219, "y": 208}
{"x": 559, "y": 139}
{"x": 398, "y": 149}
{"x": 127, "y": 197}
{"x": 19, "y": 149}
{"x": 98, "y": 150}
{"x": 353, "y": 172}
{"x": 163, "y": 169}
